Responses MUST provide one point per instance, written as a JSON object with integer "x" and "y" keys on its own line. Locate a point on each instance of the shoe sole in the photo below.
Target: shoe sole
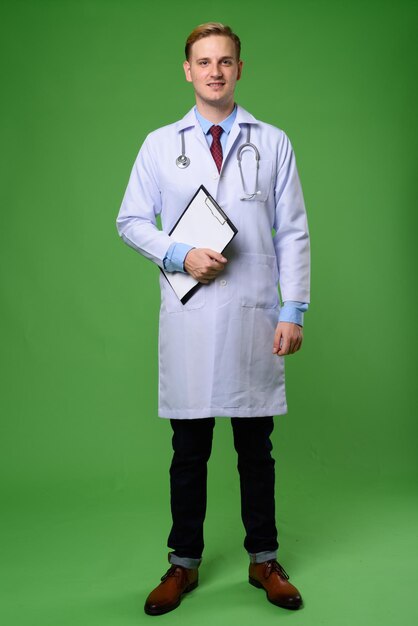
{"x": 256, "y": 583}
{"x": 173, "y": 606}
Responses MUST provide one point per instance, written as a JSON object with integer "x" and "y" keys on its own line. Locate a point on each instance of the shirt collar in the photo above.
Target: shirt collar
{"x": 225, "y": 124}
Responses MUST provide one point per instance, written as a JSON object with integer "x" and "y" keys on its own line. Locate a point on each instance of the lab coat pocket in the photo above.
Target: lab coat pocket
{"x": 171, "y": 303}
{"x": 259, "y": 287}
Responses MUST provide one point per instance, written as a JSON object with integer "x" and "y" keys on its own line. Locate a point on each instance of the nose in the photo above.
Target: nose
{"x": 216, "y": 71}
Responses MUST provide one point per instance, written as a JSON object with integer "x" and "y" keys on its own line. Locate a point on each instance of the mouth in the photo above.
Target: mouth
{"x": 216, "y": 84}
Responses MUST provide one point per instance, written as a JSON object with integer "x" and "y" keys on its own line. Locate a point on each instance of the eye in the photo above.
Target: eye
{"x": 227, "y": 61}
{"x": 203, "y": 63}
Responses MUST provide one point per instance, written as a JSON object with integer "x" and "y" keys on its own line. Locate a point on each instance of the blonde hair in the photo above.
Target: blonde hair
{"x": 212, "y": 28}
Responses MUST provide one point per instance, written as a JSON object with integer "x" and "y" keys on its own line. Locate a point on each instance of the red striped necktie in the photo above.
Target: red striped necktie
{"x": 216, "y": 147}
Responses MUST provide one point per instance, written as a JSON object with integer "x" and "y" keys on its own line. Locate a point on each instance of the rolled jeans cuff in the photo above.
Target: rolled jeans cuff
{"x": 261, "y": 557}
{"x": 184, "y": 561}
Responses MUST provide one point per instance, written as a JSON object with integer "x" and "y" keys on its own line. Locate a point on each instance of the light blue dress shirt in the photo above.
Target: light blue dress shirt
{"x": 291, "y": 311}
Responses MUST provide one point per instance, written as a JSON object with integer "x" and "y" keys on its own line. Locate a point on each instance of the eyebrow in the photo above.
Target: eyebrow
{"x": 221, "y": 59}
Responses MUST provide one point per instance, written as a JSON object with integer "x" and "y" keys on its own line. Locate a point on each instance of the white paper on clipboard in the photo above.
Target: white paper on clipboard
{"x": 202, "y": 225}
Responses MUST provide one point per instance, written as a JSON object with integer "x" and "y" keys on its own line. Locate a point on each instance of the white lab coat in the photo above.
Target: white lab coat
{"x": 215, "y": 352}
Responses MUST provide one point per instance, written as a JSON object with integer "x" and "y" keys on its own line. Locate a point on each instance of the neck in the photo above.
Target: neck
{"x": 214, "y": 114}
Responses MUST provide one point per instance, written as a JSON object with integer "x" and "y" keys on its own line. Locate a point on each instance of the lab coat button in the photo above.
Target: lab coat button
{"x": 215, "y": 176}
{"x": 223, "y": 283}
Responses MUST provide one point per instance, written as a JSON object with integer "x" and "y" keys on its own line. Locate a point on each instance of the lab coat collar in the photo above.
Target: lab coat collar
{"x": 243, "y": 117}
{"x": 189, "y": 120}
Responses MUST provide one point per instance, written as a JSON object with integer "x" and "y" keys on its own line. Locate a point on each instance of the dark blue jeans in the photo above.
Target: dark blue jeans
{"x": 192, "y": 445}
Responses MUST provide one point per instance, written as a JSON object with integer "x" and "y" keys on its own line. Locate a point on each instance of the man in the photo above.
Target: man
{"x": 221, "y": 353}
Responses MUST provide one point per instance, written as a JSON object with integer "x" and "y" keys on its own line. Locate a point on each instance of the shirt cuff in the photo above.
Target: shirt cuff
{"x": 174, "y": 259}
{"x": 292, "y": 311}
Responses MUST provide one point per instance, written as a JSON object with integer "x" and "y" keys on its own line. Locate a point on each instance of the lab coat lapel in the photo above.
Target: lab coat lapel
{"x": 233, "y": 136}
{"x": 200, "y": 136}
{"x": 243, "y": 117}
{"x": 190, "y": 121}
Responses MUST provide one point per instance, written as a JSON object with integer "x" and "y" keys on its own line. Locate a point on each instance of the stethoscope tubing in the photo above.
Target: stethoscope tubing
{"x": 183, "y": 161}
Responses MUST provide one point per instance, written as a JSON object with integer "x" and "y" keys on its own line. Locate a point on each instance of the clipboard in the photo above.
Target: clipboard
{"x": 203, "y": 224}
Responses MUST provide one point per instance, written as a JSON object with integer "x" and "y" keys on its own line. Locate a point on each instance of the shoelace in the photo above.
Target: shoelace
{"x": 170, "y": 572}
{"x": 274, "y": 566}
{"x": 174, "y": 571}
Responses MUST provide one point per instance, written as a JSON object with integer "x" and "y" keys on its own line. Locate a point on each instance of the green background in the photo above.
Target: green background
{"x": 84, "y": 458}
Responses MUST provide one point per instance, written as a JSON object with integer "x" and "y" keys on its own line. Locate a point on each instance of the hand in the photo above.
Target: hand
{"x": 290, "y": 335}
{"x": 204, "y": 264}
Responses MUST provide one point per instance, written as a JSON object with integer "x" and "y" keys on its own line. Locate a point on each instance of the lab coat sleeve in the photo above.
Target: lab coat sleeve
{"x": 136, "y": 221}
{"x": 291, "y": 240}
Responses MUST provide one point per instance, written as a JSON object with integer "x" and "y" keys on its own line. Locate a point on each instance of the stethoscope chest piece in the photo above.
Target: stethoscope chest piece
{"x": 182, "y": 161}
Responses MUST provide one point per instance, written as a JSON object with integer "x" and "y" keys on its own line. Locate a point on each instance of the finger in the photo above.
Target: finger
{"x": 298, "y": 344}
{"x": 216, "y": 256}
{"x": 291, "y": 348}
{"x": 276, "y": 342}
{"x": 285, "y": 347}
{"x": 211, "y": 274}
{"x": 288, "y": 340}
{"x": 210, "y": 269}
{"x": 294, "y": 343}
{"x": 299, "y": 339}
{"x": 215, "y": 265}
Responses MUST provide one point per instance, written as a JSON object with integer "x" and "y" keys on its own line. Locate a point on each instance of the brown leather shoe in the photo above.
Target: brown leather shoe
{"x": 271, "y": 577}
{"x": 167, "y": 596}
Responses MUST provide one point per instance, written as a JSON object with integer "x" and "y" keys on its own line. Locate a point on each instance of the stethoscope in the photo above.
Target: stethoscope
{"x": 183, "y": 161}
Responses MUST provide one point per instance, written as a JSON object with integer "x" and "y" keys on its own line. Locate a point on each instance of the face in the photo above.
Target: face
{"x": 214, "y": 70}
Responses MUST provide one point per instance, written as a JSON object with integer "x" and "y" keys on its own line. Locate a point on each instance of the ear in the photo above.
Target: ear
{"x": 240, "y": 64}
{"x": 186, "y": 67}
